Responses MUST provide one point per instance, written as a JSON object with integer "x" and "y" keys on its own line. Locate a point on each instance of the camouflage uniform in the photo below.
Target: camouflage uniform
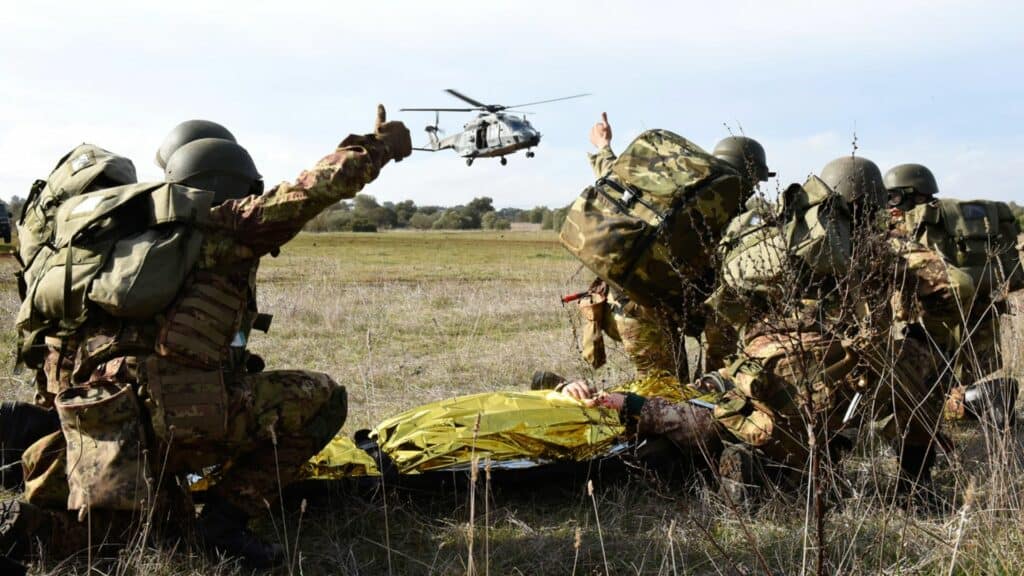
{"x": 646, "y": 338}
{"x": 201, "y": 406}
{"x": 651, "y": 340}
{"x": 805, "y": 369}
{"x": 972, "y": 342}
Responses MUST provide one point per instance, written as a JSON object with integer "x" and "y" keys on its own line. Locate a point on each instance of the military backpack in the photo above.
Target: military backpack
{"x": 806, "y": 239}
{"x": 979, "y": 236}
{"x": 89, "y": 250}
{"x": 650, "y": 225}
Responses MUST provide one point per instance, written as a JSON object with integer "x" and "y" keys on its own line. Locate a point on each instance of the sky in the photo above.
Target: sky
{"x": 936, "y": 82}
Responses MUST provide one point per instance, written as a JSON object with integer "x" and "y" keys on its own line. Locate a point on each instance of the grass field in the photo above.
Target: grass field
{"x": 406, "y": 318}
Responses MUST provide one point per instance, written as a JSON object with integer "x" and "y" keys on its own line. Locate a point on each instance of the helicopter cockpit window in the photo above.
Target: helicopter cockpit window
{"x": 514, "y": 123}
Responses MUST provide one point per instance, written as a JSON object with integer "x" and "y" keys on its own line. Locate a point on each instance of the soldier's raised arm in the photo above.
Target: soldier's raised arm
{"x": 267, "y": 221}
{"x": 601, "y": 137}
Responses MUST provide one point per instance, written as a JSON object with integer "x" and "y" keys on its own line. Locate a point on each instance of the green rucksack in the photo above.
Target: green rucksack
{"x": 807, "y": 240}
{"x": 979, "y": 236}
{"x": 86, "y": 167}
{"x": 650, "y": 225}
{"x": 122, "y": 251}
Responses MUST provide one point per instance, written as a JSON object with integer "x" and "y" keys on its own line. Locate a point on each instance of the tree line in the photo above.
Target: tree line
{"x": 365, "y": 214}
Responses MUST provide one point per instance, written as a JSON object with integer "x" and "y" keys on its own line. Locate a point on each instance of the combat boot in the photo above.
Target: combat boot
{"x": 992, "y": 401}
{"x": 222, "y": 531}
{"x": 544, "y": 380}
{"x": 25, "y": 528}
{"x": 21, "y": 424}
{"x": 739, "y": 476}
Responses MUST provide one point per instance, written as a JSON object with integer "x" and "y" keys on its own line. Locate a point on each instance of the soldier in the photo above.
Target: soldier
{"x": 202, "y": 402}
{"x": 22, "y": 424}
{"x": 814, "y": 359}
{"x": 973, "y": 342}
{"x": 653, "y": 340}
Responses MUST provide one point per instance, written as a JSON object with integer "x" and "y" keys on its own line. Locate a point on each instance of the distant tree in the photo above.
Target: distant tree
{"x": 404, "y": 210}
{"x": 364, "y": 203}
{"x": 455, "y": 219}
{"x": 423, "y": 221}
{"x": 487, "y": 220}
{"x": 546, "y": 221}
{"x": 537, "y": 214}
{"x": 363, "y": 225}
{"x": 15, "y": 206}
{"x": 510, "y": 214}
{"x": 502, "y": 224}
{"x": 558, "y": 218}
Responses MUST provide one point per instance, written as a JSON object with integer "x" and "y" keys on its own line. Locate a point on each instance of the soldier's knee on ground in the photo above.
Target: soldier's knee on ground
{"x": 331, "y": 416}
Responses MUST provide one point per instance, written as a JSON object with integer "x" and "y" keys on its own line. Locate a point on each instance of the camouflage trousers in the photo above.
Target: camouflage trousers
{"x": 275, "y": 421}
{"x": 793, "y": 387}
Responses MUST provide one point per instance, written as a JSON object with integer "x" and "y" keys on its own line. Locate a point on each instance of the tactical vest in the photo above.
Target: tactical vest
{"x": 649, "y": 225}
{"x": 979, "y": 236}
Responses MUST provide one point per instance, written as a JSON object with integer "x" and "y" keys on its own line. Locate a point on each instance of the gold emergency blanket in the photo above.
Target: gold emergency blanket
{"x": 536, "y": 426}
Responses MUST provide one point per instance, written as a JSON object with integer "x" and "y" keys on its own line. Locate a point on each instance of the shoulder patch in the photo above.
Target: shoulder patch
{"x": 83, "y": 160}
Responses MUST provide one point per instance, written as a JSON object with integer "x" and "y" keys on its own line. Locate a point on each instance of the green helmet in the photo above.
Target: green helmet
{"x": 914, "y": 176}
{"x": 744, "y": 154}
{"x": 186, "y": 132}
{"x": 220, "y": 166}
{"x": 856, "y": 179}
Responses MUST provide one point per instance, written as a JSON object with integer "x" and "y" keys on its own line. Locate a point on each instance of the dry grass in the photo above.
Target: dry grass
{"x": 406, "y": 318}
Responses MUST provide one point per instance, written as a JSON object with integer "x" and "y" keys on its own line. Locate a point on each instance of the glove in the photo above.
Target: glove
{"x": 394, "y": 135}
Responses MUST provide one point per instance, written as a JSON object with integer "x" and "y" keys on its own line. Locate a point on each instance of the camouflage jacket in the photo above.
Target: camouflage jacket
{"x": 602, "y": 160}
{"x": 253, "y": 226}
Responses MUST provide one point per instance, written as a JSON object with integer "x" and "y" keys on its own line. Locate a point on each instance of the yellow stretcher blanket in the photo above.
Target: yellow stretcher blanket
{"x": 537, "y": 426}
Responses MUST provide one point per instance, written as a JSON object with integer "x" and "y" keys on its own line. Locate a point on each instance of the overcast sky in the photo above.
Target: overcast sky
{"x": 937, "y": 82}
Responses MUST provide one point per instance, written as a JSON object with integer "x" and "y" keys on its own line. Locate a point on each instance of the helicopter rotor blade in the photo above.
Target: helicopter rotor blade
{"x": 465, "y": 98}
{"x": 546, "y": 101}
{"x": 438, "y": 109}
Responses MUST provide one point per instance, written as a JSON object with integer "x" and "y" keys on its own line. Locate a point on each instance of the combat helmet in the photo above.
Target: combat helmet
{"x": 858, "y": 180}
{"x": 220, "y": 166}
{"x": 907, "y": 181}
{"x": 744, "y": 154}
{"x": 186, "y": 132}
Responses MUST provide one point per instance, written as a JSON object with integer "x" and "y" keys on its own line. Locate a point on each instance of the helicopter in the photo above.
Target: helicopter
{"x": 494, "y": 133}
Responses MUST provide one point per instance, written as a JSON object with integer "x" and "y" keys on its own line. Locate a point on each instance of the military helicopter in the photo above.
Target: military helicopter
{"x": 495, "y": 133}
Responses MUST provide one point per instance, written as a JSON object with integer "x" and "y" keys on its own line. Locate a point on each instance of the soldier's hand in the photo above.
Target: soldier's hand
{"x": 394, "y": 135}
{"x": 601, "y": 133}
{"x": 579, "y": 390}
{"x": 612, "y": 400}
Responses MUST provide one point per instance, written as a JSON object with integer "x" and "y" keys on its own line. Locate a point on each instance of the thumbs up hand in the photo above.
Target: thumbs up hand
{"x": 393, "y": 134}
{"x": 601, "y": 133}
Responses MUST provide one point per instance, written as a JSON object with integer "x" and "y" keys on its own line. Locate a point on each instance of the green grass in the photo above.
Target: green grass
{"x": 406, "y": 318}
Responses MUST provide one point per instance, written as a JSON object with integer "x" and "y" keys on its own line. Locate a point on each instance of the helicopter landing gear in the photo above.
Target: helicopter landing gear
{"x": 530, "y": 154}
{"x": 469, "y": 161}
{"x": 504, "y": 161}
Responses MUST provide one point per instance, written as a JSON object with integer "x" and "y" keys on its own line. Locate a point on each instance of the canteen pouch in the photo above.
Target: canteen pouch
{"x": 185, "y": 405}
{"x": 202, "y": 323}
{"x": 106, "y": 447}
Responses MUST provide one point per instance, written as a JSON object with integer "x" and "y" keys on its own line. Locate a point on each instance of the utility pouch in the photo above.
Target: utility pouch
{"x": 594, "y": 309}
{"x": 106, "y": 446}
{"x": 185, "y": 405}
{"x": 740, "y": 416}
{"x": 203, "y": 322}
